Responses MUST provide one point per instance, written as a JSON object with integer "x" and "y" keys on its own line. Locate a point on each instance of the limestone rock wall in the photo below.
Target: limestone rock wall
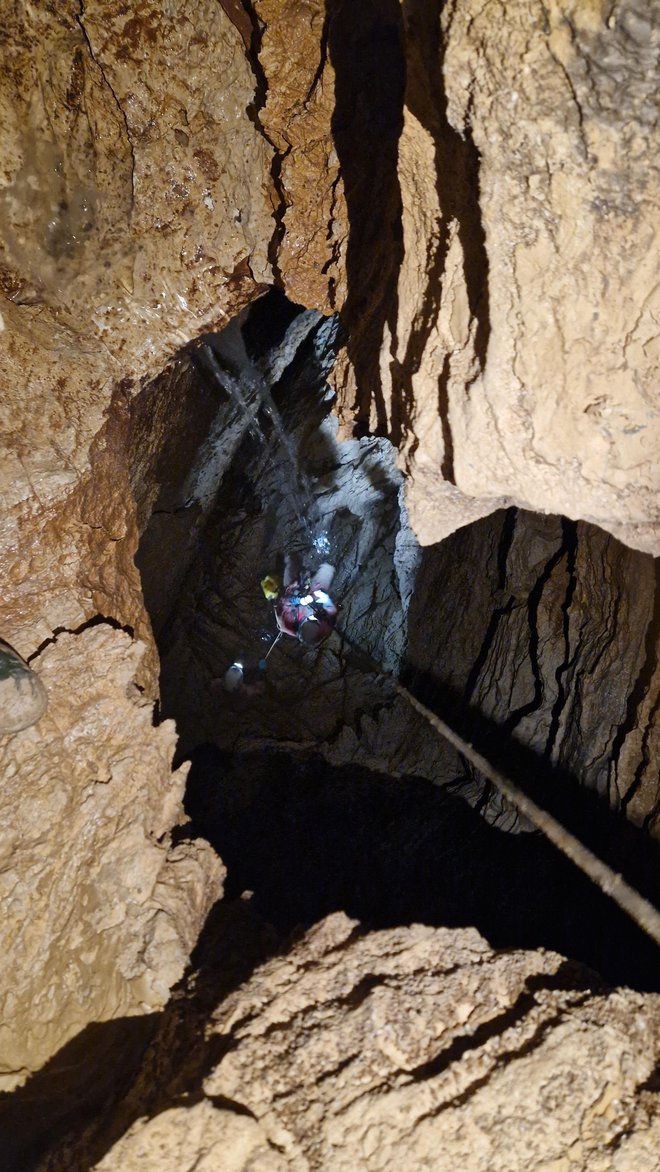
{"x": 475, "y": 195}
{"x": 516, "y": 358}
{"x": 135, "y": 212}
{"x": 555, "y": 646}
{"x": 409, "y": 1047}
{"x": 563, "y": 111}
{"x": 101, "y": 909}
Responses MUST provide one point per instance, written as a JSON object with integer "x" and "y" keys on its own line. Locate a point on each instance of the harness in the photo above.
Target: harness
{"x": 295, "y": 609}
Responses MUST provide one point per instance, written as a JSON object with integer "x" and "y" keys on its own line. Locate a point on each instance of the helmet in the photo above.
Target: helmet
{"x": 233, "y": 677}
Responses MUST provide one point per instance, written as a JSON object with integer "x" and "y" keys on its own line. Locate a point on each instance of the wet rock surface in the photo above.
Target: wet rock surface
{"x": 23, "y": 698}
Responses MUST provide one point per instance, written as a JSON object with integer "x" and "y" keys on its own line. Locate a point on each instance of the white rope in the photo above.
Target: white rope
{"x": 630, "y": 901}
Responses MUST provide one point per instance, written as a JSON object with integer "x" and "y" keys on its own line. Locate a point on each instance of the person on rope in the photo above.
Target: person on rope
{"x": 303, "y": 609}
{"x": 244, "y": 680}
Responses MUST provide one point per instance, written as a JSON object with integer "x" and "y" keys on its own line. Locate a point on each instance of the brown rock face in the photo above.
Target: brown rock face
{"x": 471, "y": 185}
{"x": 101, "y": 910}
{"x": 555, "y": 645}
{"x": 126, "y": 228}
{"x": 135, "y": 212}
{"x": 517, "y": 355}
{"x": 415, "y": 1047}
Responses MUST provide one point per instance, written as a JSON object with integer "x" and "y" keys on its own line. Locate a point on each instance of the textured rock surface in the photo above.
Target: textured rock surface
{"x": 204, "y": 1138}
{"x": 23, "y": 697}
{"x": 518, "y": 357}
{"x": 416, "y": 1046}
{"x": 297, "y": 120}
{"x": 564, "y": 114}
{"x": 470, "y": 200}
{"x": 556, "y": 646}
{"x": 135, "y": 212}
{"x": 156, "y": 226}
{"x": 101, "y": 910}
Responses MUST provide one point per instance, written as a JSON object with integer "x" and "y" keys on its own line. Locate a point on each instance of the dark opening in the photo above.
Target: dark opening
{"x": 321, "y": 789}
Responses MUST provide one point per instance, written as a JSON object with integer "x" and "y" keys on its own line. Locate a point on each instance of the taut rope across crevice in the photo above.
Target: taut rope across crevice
{"x": 645, "y": 915}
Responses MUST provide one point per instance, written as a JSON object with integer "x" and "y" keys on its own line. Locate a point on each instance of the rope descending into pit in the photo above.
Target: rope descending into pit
{"x": 639, "y": 909}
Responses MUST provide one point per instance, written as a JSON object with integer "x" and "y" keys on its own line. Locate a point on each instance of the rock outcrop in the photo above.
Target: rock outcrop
{"x": 102, "y": 909}
{"x": 135, "y": 212}
{"x": 516, "y": 358}
{"x": 409, "y": 1048}
{"x": 473, "y": 191}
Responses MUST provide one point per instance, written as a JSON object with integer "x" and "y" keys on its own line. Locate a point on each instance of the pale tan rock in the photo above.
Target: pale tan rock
{"x": 135, "y": 213}
{"x": 519, "y": 363}
{"x": 420, "y": 1047}
{"x": 202, "y": 1138}
{"x": 433, "y": 358}
{"x": 100, "y": 911}
{"x": 562, "y": 105}
{"x": 297, "y": 118}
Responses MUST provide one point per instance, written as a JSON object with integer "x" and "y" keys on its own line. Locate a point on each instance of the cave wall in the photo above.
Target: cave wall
{"x": 555, "y": 647}
{"x": 161, "y": 169}
{"x": 128, "y": 225}
{"x": 101, "y": 908}
{"x": 408, "y": 1046}
{"x": 516, "y": 358}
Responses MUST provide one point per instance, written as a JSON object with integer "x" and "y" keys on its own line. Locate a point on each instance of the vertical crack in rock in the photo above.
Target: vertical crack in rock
{"x": 637, "y": 695}
{"x": 508, "y": 531}
{"x": 514, "y": 718}
{"x": 457, "y": 181}
{"x": 80, "y": 21}
{"x": 244, "y": 17}
{"x": 500, "y": 612}
{"x": 474, "y": 676}
{"x": 569, "y": 537}
{"x": 365, "y": 43}
{"x": 323, "y": 57}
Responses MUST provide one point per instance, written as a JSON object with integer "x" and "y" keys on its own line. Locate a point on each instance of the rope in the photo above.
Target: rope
{"x": 630, "y": 901}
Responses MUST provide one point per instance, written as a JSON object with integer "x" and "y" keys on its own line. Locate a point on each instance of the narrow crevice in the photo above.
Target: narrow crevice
{"x": 99, "y": 620}
{"x": 473, "y": 678}
{"x": 504, "y": 545}
{"x": 464, "y": 1044}
{"x": 365, "y": 44}
{"x": 541, "y": 1032}
{"x": 636, "y": 698}
{"x": 637, "y": 695}
{"x": 323, "y": 58}
{"x": 570, "y": 544}
{"x": 253, "y": 50}
{"x": 80, "y": 20}
{"x": 457, "y": 180}
{"x": 533, "y": 605}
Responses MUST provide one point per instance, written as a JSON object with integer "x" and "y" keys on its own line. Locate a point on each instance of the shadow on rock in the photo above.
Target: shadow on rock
{"x": 308, "y": 839}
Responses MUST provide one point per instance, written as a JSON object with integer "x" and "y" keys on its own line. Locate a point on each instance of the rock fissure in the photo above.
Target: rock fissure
{"x": 95, "y": 621}
{"x": 570, "y": 655}
{"x": 187, "y": 191}
{"x": 80, "y": 19}
{"x": 638, "y": 693}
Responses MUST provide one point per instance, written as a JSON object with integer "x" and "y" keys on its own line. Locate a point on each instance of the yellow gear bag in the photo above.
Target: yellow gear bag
{"x": 271, "y": 587}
